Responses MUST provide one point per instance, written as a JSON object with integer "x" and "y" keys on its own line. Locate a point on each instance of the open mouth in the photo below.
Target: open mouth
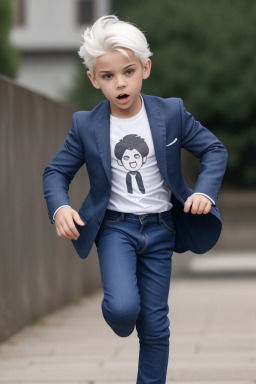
{"x": 123, "y": 96}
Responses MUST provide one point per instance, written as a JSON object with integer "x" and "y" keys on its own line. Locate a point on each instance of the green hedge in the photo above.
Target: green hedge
{"x": 9, "y": 55}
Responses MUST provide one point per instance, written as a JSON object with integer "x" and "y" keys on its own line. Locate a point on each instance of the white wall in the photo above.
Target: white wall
{"x": 50, "y": 75}
{"x": 52, "y": 24}
{"x": 49, "y": 42}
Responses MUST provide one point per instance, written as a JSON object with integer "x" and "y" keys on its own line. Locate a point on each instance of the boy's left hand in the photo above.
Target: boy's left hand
{"x": 198, "y": 203}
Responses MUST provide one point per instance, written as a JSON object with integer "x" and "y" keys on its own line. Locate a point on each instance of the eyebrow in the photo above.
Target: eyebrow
{"x": 123, "y": 68}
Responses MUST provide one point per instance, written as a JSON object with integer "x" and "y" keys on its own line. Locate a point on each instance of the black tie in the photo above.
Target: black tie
{"x": 138, "y": 179}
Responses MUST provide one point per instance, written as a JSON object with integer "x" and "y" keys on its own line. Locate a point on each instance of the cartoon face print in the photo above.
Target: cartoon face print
{"x": 131, "y": 153}
{"x": 132, "y": 160}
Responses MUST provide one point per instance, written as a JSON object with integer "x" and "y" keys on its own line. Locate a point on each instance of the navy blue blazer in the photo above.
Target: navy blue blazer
{"x": 172, "y": 127}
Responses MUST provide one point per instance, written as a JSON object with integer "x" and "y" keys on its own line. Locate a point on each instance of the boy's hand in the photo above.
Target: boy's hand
{"x": 64, "y": 223}
{"x": 198, "y": 203}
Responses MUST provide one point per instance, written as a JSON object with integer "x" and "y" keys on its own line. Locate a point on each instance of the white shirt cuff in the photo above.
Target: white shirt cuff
{"x": 208, "y": 197}
{"x": 57, "y": 211}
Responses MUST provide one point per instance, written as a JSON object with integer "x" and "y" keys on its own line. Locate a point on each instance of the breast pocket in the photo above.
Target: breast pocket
{"x": 172, "y": 142}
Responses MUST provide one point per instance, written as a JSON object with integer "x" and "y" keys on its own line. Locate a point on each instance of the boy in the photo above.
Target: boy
{"x": 139, "y": 208}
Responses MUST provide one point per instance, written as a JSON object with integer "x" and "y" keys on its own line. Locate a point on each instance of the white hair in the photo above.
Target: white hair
{"x": 109, "y": 33}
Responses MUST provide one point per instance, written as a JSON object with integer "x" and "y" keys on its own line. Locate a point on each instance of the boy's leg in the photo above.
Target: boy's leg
{"x": 118, "y": 263}
{"x": 135, "y": 261}
{"x": 154, "y": 265}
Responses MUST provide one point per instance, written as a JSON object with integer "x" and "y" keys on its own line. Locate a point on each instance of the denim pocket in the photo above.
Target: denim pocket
{"x": 112, "y": 218}
{"x": 168, "y": 223}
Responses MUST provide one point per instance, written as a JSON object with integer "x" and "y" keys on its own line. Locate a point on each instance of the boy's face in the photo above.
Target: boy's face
{"x": 117, "y": 75}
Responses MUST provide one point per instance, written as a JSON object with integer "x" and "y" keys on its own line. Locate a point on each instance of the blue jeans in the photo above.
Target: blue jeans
{"x": 135, "y": 257}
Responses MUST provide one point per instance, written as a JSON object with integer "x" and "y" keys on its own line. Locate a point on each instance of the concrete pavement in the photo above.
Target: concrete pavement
{"x": 213, "y": 340}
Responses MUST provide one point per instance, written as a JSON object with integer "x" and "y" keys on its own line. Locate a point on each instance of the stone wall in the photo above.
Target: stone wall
{"x": 39, "y": 271}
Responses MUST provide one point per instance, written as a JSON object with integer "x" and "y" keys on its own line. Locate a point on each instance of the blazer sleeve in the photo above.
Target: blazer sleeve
{"x": 59, "y": 173}
{"x": 211, "y": 152}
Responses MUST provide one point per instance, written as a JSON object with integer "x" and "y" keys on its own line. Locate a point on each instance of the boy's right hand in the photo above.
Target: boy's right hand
{"x": 64, "y": 223}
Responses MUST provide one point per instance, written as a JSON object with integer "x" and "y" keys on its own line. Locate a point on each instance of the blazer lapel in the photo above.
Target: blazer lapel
{"x": 102, "y": 135}
{"x": 158, "y": 130}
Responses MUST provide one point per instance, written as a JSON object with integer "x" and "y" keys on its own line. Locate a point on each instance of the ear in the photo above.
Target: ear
{"x": 144, "y": 159}
{"x": 93, "y": 79}
{"x": 119, "y": 162}
{"x": 146, "y": 69}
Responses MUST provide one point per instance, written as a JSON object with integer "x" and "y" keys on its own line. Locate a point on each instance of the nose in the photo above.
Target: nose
{"x": 120, "y": 81}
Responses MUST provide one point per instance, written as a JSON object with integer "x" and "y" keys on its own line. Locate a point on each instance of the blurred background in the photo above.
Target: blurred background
{"x": 203, "y": 52}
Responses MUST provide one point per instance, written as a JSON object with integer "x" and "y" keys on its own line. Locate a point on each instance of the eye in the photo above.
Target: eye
{"x": 130, "y": 71}
{"x": 137, "y": 156}
{"x": 107, "y": 76}
{"x": 126, "y": 158}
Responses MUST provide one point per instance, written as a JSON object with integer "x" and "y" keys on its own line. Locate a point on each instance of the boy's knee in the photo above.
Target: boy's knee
{"x": 121, "y": 317}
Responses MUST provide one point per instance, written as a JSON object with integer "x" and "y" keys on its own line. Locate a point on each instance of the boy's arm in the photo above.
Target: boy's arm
{"x": 212, "y": 154}
{"x": 60, "y": 172}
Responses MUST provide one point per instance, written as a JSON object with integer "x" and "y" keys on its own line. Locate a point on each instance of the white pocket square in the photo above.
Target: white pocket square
{"x": 173, "y": 142}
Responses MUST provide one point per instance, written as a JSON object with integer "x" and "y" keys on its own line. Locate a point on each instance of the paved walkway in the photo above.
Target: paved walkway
{"x": 213, "y": 340}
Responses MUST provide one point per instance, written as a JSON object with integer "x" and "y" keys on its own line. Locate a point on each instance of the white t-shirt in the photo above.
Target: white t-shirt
{"x": 137, "y": 185}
